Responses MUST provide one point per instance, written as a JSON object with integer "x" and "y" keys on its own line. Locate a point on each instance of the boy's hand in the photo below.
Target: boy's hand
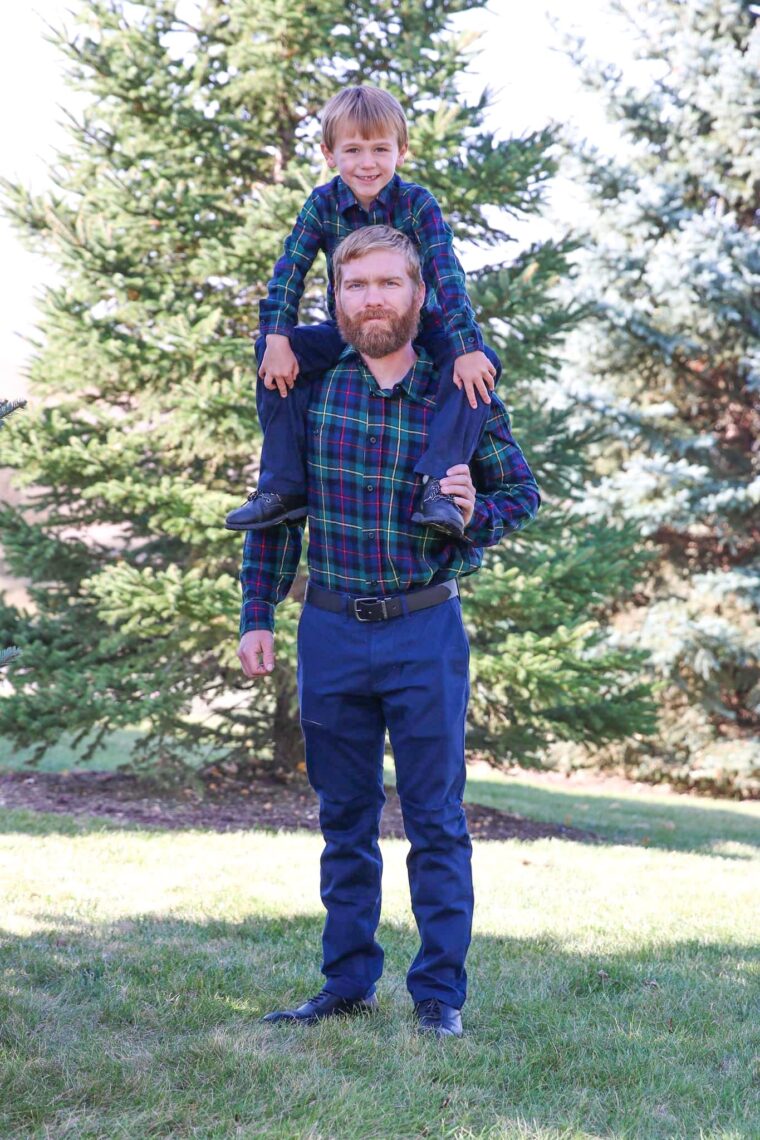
{"x": 279, "y": 367}
{"x": 475, "y": 373}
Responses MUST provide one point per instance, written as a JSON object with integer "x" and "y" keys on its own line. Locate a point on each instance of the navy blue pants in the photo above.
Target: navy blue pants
{"x": 408, "y": 675}
{"x": 455, "y": 429}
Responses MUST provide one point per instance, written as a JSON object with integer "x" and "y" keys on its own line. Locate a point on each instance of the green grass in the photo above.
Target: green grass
{"x": 614, "y": 989}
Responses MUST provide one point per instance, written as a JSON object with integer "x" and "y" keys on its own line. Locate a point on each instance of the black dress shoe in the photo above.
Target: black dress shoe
{"x": 266, "y": 508}
{"x": 436, "y": 1018}
{"x": 324, "y": 1005}
{"x": 439, "y": 510}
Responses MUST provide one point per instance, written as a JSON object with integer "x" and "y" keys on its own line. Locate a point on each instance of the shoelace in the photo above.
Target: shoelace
{"x": 431, "y": 1007}
{"x": 433, "y": 491}
{"x": 264, "y": 495}
{"x": 320, "y": 998}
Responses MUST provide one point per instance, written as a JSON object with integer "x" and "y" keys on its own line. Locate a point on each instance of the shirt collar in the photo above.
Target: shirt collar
{"x": 416, "y": 384}
{"x": 347, "y": 198}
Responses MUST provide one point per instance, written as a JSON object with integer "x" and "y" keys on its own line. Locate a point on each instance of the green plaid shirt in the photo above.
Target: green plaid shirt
{"x": 330, "y": 213}
{"x": 362, "y": 445}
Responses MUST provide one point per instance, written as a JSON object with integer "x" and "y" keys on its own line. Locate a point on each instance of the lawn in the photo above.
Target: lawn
{"x": 615, "y": 989}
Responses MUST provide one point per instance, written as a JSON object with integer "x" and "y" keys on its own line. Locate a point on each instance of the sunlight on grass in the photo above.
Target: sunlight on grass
{"x": 611, "y": 993}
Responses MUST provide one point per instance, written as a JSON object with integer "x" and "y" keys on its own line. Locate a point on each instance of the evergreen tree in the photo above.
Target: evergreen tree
{"x": 7, "y": 408}
{"x": 172, "y": 202}
{"x": 671, "y": 363}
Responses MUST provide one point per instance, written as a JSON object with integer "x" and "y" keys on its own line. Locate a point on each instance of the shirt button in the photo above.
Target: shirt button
{"x": 370, "y": 534}
{"x": 373, "y": 439}
{"x": 370, "y": 487}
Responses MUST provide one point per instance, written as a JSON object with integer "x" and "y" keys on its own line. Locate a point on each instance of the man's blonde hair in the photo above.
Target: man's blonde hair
{"x": 367, "y": 240}
{"x": 372, "y": 111}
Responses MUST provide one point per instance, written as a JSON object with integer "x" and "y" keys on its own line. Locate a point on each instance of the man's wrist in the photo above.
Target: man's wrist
{"x": 256, "y": 614}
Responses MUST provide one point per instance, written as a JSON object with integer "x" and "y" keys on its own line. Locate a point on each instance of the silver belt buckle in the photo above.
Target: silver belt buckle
{"x": 373, "y": 602}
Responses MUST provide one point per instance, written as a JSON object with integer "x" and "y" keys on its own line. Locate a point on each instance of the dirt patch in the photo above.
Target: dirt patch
{"x": 265, "y": 805}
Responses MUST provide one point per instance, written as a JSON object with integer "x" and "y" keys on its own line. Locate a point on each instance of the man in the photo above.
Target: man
{"x": 381, "y": 644}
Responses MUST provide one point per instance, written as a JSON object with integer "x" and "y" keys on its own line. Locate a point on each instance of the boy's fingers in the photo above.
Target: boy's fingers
{"x": 483, "y": 392}
{"x": 457, "y": 381}
{"x": 472, "y": 399}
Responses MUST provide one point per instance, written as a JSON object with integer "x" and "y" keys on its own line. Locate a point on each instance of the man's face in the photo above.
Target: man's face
{"x": 365, "y": 165}
{"x": 378, "y": 305}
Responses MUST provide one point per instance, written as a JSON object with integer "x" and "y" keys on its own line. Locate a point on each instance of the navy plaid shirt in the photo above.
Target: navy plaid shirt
{"x": 362, "y": 445}
{"x": 330, "y": 213}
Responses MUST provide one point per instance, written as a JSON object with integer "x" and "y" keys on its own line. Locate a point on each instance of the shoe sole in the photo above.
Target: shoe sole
{"x": 452, "y": 531}
{"x": 290, "y": 516}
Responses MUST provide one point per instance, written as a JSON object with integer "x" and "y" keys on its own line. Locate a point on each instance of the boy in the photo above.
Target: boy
{"x": 365, "y": 138}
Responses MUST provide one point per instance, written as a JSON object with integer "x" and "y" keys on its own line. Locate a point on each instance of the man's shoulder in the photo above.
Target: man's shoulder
{"x": 347, "y": 363}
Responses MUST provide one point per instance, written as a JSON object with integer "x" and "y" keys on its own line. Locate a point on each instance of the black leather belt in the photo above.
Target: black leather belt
{"x": 380, "y": 609}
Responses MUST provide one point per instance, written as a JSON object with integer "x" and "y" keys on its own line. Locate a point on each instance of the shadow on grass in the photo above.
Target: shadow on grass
{"x": 151, "y": 1027}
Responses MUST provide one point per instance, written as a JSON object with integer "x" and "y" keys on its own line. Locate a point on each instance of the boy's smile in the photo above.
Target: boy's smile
{"x": 365, "y": 165}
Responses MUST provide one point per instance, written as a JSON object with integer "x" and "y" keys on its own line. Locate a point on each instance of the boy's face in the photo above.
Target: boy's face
{"x": 365, "y": 165}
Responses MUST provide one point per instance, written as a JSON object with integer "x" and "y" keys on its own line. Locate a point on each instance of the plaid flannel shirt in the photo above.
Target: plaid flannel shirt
{"x": 362, "y": 445}
{"x": 330, "y": 213}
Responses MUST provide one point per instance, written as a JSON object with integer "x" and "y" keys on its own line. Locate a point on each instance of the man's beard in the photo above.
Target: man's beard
{"x": 376, "y": 340}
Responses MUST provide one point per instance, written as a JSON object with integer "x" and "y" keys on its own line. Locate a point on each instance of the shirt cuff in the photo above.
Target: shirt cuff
{"x": 256, "y": 614}
{"x": 277, "y": 325}
{"x": 479, "y": 530}
{"x": 468, "y": 340}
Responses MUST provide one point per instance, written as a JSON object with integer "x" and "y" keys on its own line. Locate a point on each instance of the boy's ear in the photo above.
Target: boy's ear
{"x": 329, "y": 156}
{"x": 402, "y": 151}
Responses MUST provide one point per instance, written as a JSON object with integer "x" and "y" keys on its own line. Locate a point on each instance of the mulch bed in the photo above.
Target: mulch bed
{"x": 267, "y": 804}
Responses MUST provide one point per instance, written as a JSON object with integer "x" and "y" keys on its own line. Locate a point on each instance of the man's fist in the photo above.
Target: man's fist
{"x": 256, "y": 652}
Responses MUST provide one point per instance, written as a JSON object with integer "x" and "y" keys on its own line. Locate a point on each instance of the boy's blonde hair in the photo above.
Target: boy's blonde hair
{"x": 367, "y": 240}
{"x": 370, "y": 109}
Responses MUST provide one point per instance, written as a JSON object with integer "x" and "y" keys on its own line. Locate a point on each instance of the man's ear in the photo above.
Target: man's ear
{"x": 329, "y": 156}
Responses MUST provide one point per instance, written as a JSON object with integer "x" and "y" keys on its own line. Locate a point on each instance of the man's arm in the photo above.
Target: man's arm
{"x": 270, "y": 561}
{"x": 507, "y": 495}
{"x": 278, "y": 311}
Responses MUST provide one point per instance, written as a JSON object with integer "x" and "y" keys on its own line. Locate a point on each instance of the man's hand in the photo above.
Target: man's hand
{"x": 256, "y": 652}
{"x": 279, "y": 367}
{"x": 458, "y": 482}
{"x": 475, "y": 373}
